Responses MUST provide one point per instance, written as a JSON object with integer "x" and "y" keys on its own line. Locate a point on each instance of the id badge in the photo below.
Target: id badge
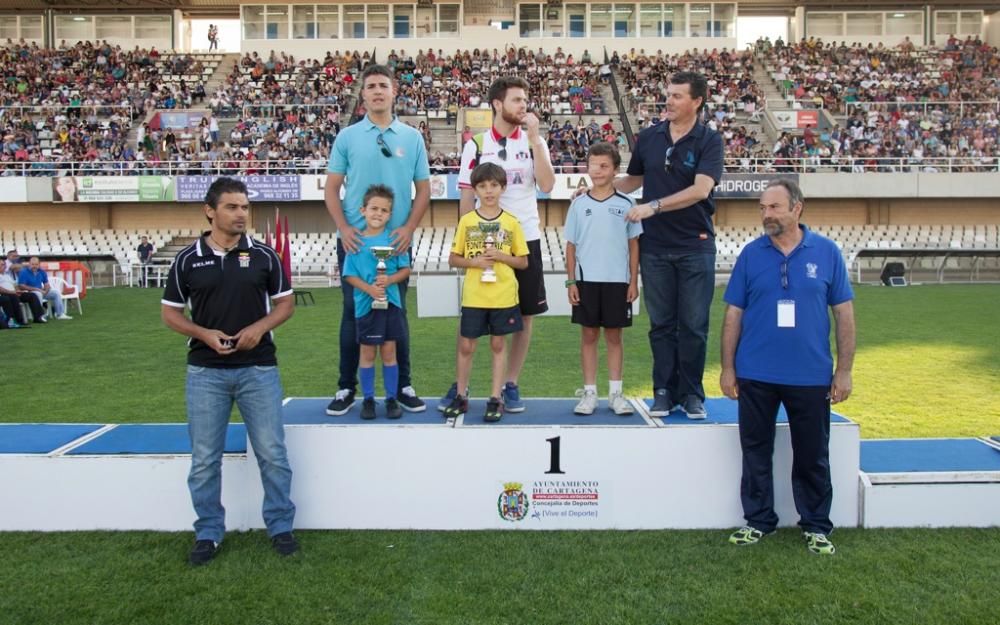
{"x": 786, "y": 313}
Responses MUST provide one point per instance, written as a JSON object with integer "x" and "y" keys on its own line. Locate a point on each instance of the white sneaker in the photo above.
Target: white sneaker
{"x": 64, "y": 317}
{"x": 619, "y": 405}
{"x": 588, "y": 402}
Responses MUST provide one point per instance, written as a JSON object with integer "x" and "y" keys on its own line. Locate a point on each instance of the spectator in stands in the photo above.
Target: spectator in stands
{"x": 145, "y": 251}
{"x": 776, "y": 350}
{"x": 11, "y": 298}
{"x": 677, "y": 164}
{"x": 234, "y": 308}
{"x": 378, "y": 149}
{"x": 34, "y": 280}
{"x": 13, "y": 258}
{"x": 524, "y": 155}
{"x": 213, "y": 37}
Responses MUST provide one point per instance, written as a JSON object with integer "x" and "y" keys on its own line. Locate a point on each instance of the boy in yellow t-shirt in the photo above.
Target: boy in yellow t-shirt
{"x": 490, "y": 245}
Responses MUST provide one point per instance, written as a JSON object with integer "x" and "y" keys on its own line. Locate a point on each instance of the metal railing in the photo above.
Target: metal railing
{"x": 961, "y": 107}
{"x": 734, "y": 164}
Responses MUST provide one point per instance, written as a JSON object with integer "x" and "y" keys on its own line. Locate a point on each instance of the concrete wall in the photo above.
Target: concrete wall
{"x": 992, "y": 34}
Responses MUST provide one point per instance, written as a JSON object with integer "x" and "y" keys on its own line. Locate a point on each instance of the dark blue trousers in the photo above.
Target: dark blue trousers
{"x": 350, "y": 351}
{"x": 808, "y": 409}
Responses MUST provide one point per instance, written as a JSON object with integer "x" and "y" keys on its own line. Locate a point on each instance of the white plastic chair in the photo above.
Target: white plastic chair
{"x": 68, "y": 291}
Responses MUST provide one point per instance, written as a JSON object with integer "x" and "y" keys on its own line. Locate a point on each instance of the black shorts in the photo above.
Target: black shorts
{"x": 477, "y": 322}
{"x": 603, "y": 305}
{"x": 380, "y": 325}
{"x": 531, "y": 282}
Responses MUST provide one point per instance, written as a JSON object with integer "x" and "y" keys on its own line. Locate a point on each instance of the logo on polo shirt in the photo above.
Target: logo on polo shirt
{"x": 203, "y": 263}
{"x": 811, "y": 270}
{"x": 244, "y": 260}
{"x": 689, "y": 159}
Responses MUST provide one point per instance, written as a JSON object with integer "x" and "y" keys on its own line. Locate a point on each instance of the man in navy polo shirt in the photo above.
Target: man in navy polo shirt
{"x": 379, "y": 149}
{"x": 677, "y": 163}
{"x": 776, "y": 350}
{"x": 238, "y": 293}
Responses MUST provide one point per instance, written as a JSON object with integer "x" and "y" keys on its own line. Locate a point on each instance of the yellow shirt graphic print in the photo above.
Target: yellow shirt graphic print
{"x": 470, "y": 242}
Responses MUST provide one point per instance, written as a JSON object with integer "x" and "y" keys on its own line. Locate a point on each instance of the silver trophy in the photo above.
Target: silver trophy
{"x": 382, "y": 254}
{"x": 492, "y": 237}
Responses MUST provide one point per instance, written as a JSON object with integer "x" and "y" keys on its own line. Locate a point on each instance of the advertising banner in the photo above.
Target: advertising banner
{"x": 112, "y": 189}
{"x": 259, "y": 188}
{"x": 808, "y": 118}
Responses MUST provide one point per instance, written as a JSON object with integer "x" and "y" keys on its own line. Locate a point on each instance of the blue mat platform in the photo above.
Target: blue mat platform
{"x": 166, "y": 439}
{"x": 552, "y": 411}
{"x": 723, "y": 411}
{"x": 40, "y": 438}
{"x": 928, "y": 455}
{"x": 312, "y": 411}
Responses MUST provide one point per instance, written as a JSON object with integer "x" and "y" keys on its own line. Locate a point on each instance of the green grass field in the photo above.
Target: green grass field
{"x": 928, "y": 360}
{"x": 928, "y": 364}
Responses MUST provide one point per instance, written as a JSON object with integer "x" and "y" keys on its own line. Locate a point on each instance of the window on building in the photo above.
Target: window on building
{"x": 674, "y": 20}
{"x": 378, "y": 21}
{"x": 624, "y": 20}
{"x": 970, "y": 23}
{"x": 448, "y": 16}
{"x": 328, "y": 21}
{"x": 303, "y": 21}
{"x": 530, "y": 20}
{"x": 552, "y": 24}
{"x": 600, "y": 20}
{"x": 354, "y": 21}
{"x": 74, "y": 27}
{"x": 864, "y": 25}
{"x": 701, "y": 18}
{"x": 576, "y": 20}
{"x": 825, "y": 24}
{"x": 277, "y": 21}
{"x": 153, "y": 26}
{"x": 910, "y": 23}
{"x": 113, "y": 27}
{"x": 724, "y": 20}
{"x": 402, "y": 21}
{"x": 31, "y": 26}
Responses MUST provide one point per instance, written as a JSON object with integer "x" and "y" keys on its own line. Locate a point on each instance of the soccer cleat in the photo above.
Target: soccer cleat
{"x": 587, "y": 404}
{"x": 619, "y": 405}
{"x": 819, "y": 544}
{"x": 445, "y": 401}
{"x": 409, "y": 401}
{"x": 285, "y": 543}
{"x": 392, "y": 409}
{"x": 203, "y": 552}
{"x": 64, "y": 317}
{"x": 368, "y": 409}
{"x": 746, "y": 535}
{"x": 457, "y": 408}
{"x": 342, "y": 402}
{"x": 511, "y": 396}
{"x": 494, "y": 410}
{"x": 694, "y": 408}
{"x": 662, "y": 403}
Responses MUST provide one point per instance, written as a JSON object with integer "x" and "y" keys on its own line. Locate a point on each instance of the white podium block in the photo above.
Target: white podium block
{"x": 438, "y": 295}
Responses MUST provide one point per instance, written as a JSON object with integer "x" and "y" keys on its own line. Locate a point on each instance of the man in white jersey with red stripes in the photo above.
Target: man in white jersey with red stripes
{"x": 524, "y": 156}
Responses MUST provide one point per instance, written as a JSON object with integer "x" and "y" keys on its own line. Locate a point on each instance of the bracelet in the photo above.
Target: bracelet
{"x": 570, "y": 283}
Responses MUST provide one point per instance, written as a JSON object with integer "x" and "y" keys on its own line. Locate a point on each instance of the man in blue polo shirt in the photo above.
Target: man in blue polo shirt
{"x": 379, "y": 149}
{"x": 776, "y": 350}
{"x": 34, "y": 279}
{"x": 677, "y": 163}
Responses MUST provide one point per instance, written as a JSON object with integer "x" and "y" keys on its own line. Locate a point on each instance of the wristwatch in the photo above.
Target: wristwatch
{"x": 656, "y": 206}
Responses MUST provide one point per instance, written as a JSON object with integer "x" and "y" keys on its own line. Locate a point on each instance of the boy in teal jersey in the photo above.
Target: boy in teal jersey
{"x": 377, "y": 302}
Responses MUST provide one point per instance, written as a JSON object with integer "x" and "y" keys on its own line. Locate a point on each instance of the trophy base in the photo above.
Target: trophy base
{"x": 488, "y": 278}
{"x": 380, "y": 305}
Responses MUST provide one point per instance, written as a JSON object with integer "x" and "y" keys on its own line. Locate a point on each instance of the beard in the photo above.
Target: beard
{"x": 510, "y": 118}
{"x": 773, "y": 228}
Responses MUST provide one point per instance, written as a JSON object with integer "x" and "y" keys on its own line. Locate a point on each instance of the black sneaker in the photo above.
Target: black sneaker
{"x": 494, "y": 410}
{"x": 203, "y": 552}
{"x": 662, "y": 403}
{"x": 408, "y": 399}
{"x": 694, "y": 408}
{"x": 285, "y": 543}
{"x": 342, "y": 402}
{"x": 392, "y": 409}
{"x": 368, "y": 408}
{"x": 445, "y": 401}
{"x": 458, "y": 407}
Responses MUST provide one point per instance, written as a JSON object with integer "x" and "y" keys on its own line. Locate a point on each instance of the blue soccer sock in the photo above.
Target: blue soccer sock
{"x": 390, "y": 376}
{"x": 367, "y": 375}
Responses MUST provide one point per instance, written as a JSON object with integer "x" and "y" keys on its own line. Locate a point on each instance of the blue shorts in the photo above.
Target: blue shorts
{"x": 380, "y": 325}
{"x": 477, "y": 322}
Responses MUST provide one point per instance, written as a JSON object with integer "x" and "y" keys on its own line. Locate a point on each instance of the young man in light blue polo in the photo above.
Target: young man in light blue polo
{"x": 378, "y": 149}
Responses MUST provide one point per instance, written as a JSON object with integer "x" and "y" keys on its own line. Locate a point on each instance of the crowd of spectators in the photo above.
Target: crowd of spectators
{"x": 433, "y": 81}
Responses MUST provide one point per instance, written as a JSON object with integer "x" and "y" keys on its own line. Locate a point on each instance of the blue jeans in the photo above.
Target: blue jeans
{"x": 678, "y": 293}
{"x": 210, "y": 396}
{"x": 350, "y": 351}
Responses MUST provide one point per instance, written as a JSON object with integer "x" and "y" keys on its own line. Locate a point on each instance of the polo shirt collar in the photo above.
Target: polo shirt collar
{"x": 697, "y": 132}
{"x": 393, "y": 125}
{"x": 514, "y": 135}
{"x": 204, "y": 249}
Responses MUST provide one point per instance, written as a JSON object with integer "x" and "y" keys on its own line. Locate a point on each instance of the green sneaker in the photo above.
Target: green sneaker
{"x": 819, "y": 544}
{"x": 746, "y": 535}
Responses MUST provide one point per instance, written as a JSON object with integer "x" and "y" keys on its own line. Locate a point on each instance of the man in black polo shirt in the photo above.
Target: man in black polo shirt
{"x": 238, "y": 293}
{"x": 677, "y": 163}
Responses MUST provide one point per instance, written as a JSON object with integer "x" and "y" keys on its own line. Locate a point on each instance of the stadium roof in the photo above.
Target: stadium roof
{"x": 231, "y": 7}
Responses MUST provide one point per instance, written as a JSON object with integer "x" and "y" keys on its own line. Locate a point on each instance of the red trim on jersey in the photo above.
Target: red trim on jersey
{"x": 514, "y": 135}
